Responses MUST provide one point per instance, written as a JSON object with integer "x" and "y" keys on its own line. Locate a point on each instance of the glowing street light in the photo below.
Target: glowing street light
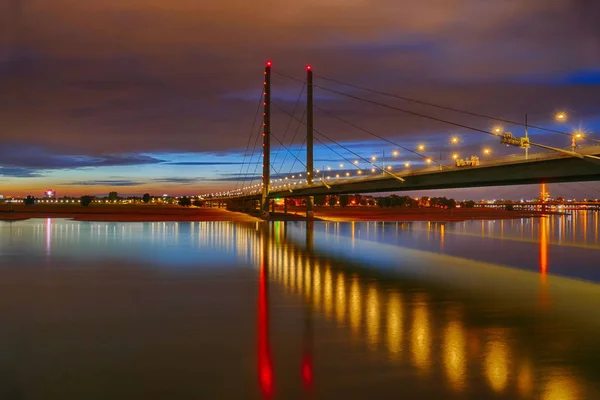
{"x": 355, "y": 162}
{"x": 428, "y": 161}
{"x": 454, "y": 139}
{"x": 421, "y": 147}
{"x": 341, "y": 165}
{"x": 389, "y": 167}
{"x": 373, "y": 170}
{"x": 497, "y": 130}
{"x": 395, "y": 153}
{"x": 455, "y": 156}
{"x": 561, "y": 116}
{"x": 407, "y": 165}
{"x": 373, "y": 158}
{"x": 486, "y": 151}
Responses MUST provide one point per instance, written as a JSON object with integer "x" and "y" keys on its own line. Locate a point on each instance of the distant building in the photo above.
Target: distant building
{"x": 50, "y": 194}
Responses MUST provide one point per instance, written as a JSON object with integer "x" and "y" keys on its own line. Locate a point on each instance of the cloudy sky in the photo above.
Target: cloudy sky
{"x": 160, "y": 96}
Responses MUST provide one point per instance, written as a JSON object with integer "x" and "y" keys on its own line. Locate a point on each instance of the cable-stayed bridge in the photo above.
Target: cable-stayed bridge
{"x": 527, "y": 162}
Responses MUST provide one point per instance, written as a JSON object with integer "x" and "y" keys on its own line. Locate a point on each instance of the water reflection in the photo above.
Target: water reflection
{"x": 368, "y": 303}
{"x": 455, "y": 362}
{"x": 417, "y": 325}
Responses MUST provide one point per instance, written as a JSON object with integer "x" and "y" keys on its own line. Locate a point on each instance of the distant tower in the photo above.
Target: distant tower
{"x": 49, "y": 194}
{"x": 544, "y": 195}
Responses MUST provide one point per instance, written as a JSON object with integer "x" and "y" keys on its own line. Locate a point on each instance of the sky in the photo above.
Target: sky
{"x": 156, "y": 96}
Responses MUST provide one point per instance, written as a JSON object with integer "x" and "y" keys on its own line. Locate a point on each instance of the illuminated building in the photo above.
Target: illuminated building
{"x": 49, "y": 194}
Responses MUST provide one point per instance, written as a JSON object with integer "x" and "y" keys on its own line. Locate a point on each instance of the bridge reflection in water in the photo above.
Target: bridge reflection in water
{"x": 444, "y": 342}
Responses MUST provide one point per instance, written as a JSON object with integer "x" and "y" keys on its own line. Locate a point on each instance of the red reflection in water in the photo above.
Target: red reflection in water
{"x": 265, "y": 365}
{"x": 307, "y": 371}
{"x": 543, "y": 261}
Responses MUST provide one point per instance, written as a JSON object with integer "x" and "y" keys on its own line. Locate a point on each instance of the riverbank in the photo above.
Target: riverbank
{"x": 122, "y": 213}
{"x": 345, "y": 214}
{"x": 154, "y": 213}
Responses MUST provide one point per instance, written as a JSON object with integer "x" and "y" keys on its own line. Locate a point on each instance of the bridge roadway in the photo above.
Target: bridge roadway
{"x": 512, "y": 170}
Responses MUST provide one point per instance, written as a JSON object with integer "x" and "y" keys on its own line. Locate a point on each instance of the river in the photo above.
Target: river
{"x": 470, "y": 310}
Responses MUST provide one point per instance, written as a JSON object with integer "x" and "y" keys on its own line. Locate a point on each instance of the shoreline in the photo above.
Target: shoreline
{"x": 151, "y": 213}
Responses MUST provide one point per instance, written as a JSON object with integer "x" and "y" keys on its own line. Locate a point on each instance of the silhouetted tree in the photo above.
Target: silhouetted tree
{"x": 320, "y": 200}
{"x": 185, "y": 201}
{"x": 198, "y": 203}
{"x": 85, "y": 200}
{"x": 509, "y": 207}
{"x": 332, "y": 201}
{"x": 29, "y": 200}
{"x": 146, "y": 198}
{"x": 113, "y": 196}
{"x": 451, "y": 203}
{"x": 344, "y": 200}
{"x": 469, "y": 204}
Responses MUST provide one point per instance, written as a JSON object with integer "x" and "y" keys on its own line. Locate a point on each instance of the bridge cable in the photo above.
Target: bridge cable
{"x": 290, "y": 122}
{"x": 368, "y": 161}
{"x": 260, "y": 100}
{"x": 571, "y": 153}
{"x": 376, "y": 135}
{"x": 258, "y": 135}
{"x": 507, "y": 121}
{"x": 297, "y": 154}
{"x": 294, "y": 138}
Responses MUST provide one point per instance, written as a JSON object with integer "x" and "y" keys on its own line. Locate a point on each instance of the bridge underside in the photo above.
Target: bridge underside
{"x": 557, "y": 170}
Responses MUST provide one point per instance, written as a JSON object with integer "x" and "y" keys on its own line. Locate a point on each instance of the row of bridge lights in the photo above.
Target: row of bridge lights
{"x": 287, "y": 181}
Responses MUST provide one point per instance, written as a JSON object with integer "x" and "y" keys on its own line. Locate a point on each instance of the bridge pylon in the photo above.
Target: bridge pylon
{"x": 309, "y": 140}
{"x": 266, "y": 164}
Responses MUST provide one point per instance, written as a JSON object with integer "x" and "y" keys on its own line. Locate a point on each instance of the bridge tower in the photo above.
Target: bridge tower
{"x": 266, "y": 164}
{"x": 309, "y": 140}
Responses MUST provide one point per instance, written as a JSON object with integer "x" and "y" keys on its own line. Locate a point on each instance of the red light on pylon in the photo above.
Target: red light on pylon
{"x": 308, "y": 67}
{"x": 269, "y": 63}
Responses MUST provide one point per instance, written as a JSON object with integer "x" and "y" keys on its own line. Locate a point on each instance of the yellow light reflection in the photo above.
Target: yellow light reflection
{"x": 373, "y": 316}
{"x": 421, "y": 337}
{"x": 455, "y": 354}
{"x": 293, "y": 280}
{"x": 340, "y": 298}
{"x": 524, "y": 380}
{"x": 496, "y": 364}
{"x": 285, "y": 276}
{"x": 561, "y": 386}
{"x": 328, "y": 294}
{"x": 300, "y": 281}
{"x": 394, "y": 325}
{"x": 317, "y": 287}
{"x": 442, "y": 232}
{"x": 307, "y": 279}
{"x": 355, "y": 308}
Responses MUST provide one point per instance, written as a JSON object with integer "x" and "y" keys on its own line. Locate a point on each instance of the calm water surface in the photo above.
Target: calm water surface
{"x": 210, "y": 310}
